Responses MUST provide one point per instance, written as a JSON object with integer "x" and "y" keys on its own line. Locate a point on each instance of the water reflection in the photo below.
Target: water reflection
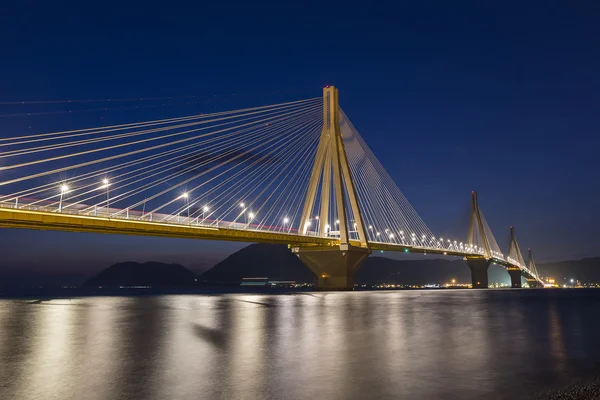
{"x": 376, "y": 345}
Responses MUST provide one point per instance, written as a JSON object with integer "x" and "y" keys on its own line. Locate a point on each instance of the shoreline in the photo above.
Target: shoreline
{"x": 585, "y": 389}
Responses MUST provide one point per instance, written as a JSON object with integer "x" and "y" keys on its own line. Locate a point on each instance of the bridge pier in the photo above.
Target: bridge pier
{"x": 333, "y": 267}
{"x": 479, "y": 272}
{"x": 515, "y": 278}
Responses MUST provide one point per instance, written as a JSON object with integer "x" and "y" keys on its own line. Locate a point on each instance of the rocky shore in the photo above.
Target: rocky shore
{"x": 584, "y": 390}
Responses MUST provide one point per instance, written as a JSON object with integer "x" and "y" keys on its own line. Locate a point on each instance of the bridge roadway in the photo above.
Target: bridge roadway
{"x": 130, "y": 222}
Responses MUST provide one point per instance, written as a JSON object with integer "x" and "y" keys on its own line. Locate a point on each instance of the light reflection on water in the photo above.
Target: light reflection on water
{"x": 504, "y": 344}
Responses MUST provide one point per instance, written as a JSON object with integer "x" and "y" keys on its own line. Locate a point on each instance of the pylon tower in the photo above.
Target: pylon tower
{"x": 334, "y": 267}
{"x": 478, "y": 264}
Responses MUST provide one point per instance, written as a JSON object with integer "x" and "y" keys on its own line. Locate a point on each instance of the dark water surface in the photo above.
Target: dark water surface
{"x": 452, "y": 344}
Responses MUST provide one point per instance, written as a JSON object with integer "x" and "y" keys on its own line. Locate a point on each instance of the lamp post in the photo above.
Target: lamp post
{"x": 187, "y": 204}
{"x": 63, "y": 189}
{"x": 285, "y": 222}
{"x": 106, "y": 185}
{"x": 204, "y": 210}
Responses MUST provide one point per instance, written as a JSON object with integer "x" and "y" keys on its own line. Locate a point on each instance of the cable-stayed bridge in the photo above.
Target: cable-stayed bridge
{"x": 297, "y": 173}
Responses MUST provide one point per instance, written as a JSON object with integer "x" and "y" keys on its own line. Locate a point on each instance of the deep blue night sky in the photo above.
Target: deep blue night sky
{"x": 502, "y": 98}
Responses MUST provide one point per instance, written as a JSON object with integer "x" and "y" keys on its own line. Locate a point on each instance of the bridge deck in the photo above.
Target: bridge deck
{"x": 224, "y": 230}
{"x": 44, "y": 220}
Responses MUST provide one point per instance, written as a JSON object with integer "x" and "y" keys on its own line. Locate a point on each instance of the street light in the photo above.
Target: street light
{"x": 285, "y": 221}
{"x": 63, "y": 189}
{"x": 106, "y": 185}
{"x": 205, "y": 209}
{"x": 185, "y": 196}
{"x": 242, "y": 205}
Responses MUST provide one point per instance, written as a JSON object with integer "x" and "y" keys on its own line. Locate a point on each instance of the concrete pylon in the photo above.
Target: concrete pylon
{"x": 478, "y": 264}
{"x": 479, "y": 272}
{"x": 514, "y": 253}
{"x": 515, "y": 278}
{"x": 533, "y": 281}
{"x": 334, "y": 267}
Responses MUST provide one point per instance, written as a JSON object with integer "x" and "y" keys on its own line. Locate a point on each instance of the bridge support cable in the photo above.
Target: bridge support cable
{"x": 533, "y": 278}
{"x": 141, "y": 148}
{"x": 251, "y": 156}
{"x": 20, "y": 140}
{"x": 223, "y": 160}
{"x": 514, "y": 252}
{"x": 480, "y": 236}
{"x": 217, "y": 147}
{"x": 388, "y": 215}
{"x": 171, "y": 157}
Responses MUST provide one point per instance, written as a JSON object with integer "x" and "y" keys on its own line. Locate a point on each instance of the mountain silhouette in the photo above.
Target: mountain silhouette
{"x": 585, "y": 270}
{"x": 277, "y": 262}
{"x": 153, "y": 274}
{"x": 273, "y": 261}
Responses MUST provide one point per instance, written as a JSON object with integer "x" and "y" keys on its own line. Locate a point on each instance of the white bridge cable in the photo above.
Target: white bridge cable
{"x": 496, "y": 251}
{"x": 266, "y": 178}
{"x": 78, "y": 143}
{"x": 141, "y": 150}
{"x": 103, "y": 173}
{"x": 219, "y": 199}
{"x": 115, "y": 146}
{"x": 222, "y": 143}
{"x": 95, "y": 184}
{"x": 383, "y": 205}
{"x": 214, "y": 148}
{"x": 112, "y": 128}
{"x": 237, "y": 189}
{"x": 236, "y": 157}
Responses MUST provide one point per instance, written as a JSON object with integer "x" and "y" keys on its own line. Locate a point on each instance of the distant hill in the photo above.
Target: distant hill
{"x": 272, "y": 261}
{"x": 153, "y": 274}
{"x": 585, "y": 270}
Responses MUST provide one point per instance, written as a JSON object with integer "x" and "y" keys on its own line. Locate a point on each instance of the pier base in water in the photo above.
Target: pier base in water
{"x": 333, "y": 267}
{"x": 479, "y": 272}
{"x": 515, "y": 278}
